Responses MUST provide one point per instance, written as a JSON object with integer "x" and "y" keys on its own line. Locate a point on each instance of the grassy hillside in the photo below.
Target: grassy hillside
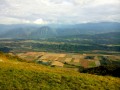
{"x": 22, "y": 75}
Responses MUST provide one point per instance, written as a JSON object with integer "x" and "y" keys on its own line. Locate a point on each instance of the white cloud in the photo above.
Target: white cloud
{"x": 40, "y": 21}
{"x": 8, "y": 20}
{"x": 59, "y": 11}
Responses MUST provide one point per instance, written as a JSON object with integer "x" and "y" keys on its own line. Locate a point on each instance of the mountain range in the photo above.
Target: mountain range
{"x": 28, "y": 31}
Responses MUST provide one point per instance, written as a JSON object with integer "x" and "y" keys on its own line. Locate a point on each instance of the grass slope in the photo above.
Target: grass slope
{"x": 22, "y": 75}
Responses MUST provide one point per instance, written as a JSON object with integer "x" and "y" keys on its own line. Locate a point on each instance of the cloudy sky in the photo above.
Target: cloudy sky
{"x": 58, "y": 11}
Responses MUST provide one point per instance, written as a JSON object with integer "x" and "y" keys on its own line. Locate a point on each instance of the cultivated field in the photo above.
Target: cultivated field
{"x": 70, "y": 59}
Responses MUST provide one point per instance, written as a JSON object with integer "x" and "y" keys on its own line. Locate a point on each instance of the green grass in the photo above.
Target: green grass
{"x": 92, "y": 64}
{"x": 16, "y": 75}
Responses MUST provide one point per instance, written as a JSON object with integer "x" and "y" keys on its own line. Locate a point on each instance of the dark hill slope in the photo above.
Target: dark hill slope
{"x": 112, "y": 70}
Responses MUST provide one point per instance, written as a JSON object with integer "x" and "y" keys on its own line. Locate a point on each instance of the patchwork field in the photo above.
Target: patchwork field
{"x": 70, "y": 59}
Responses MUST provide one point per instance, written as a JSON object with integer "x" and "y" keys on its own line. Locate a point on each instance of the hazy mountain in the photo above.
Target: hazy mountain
{"x": 89, "y": 28}
{"x": 52, "y": 30}
{"x": 15, "y": 33}
{"x": 43, "y": 32}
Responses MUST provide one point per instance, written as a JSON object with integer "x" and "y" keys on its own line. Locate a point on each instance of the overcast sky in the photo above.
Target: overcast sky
{"x": 58, "y": 11}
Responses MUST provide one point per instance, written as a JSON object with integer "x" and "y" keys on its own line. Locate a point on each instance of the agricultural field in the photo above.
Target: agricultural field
{"x": 70, "y": 59}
